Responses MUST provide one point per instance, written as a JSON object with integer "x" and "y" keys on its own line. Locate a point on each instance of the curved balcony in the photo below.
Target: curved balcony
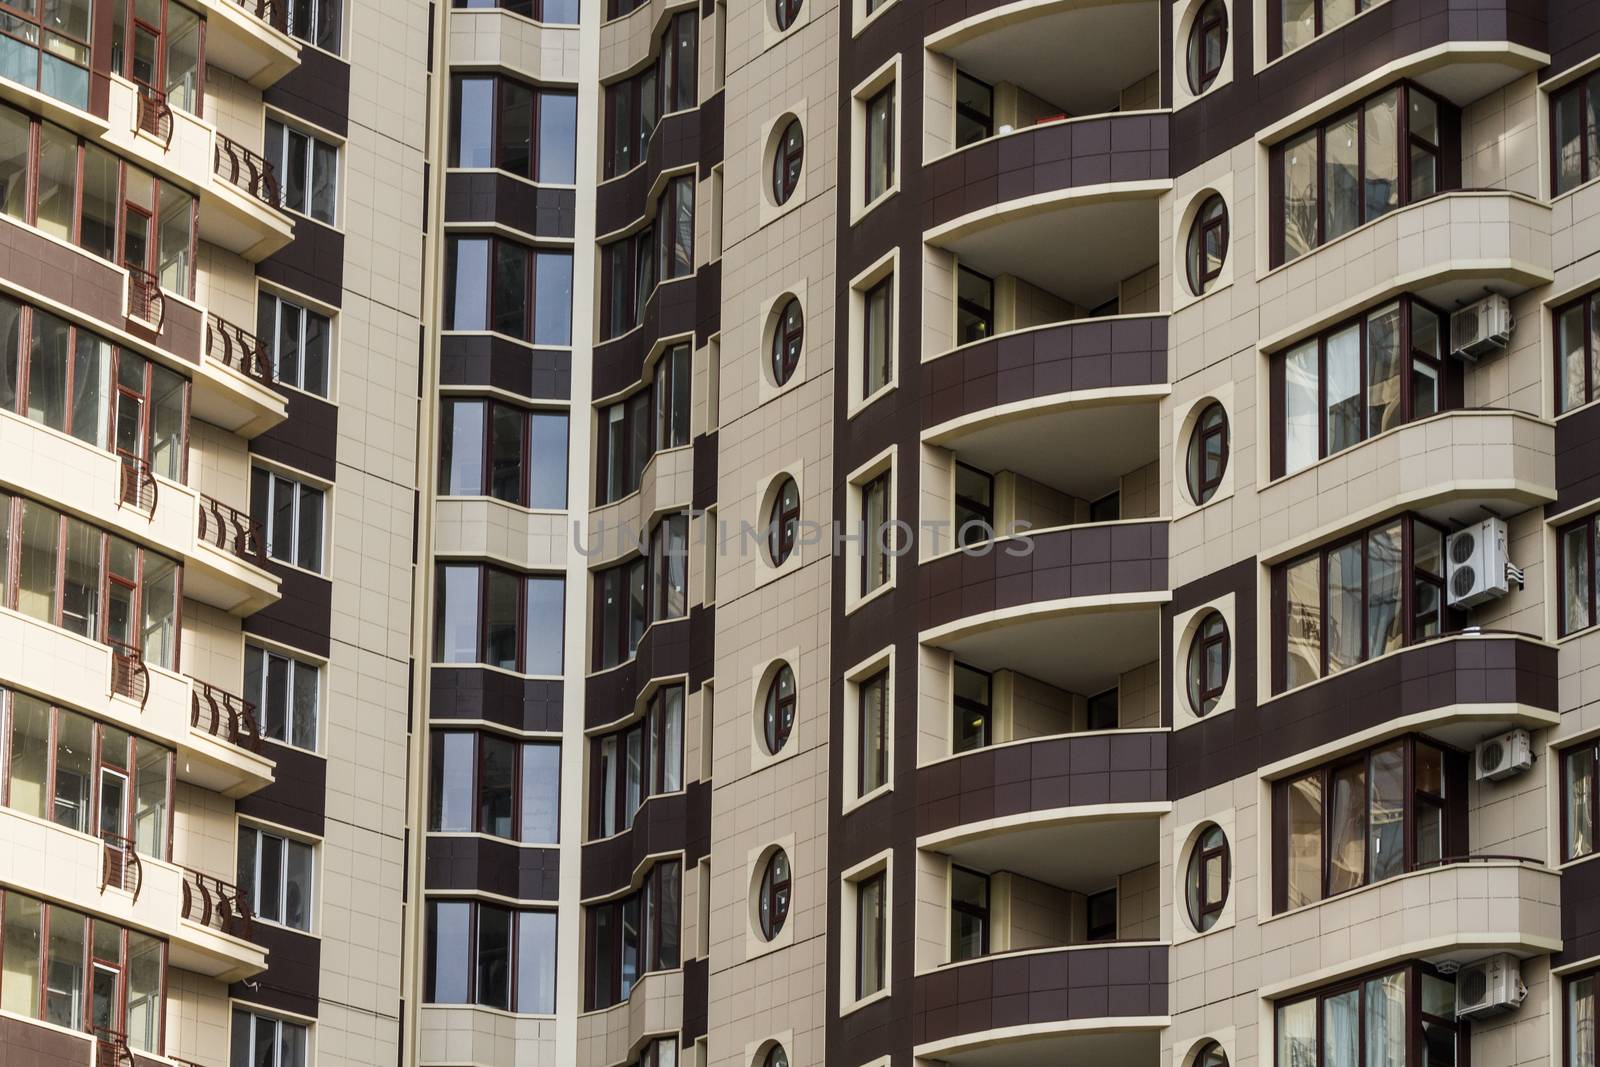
{"x": 485, "y": 864}
{"x": 628, "y": 40}
{"x": 674, "y": 308}
{"x": 680, "y": 140}
{"x": 249, "y": 38}
{"x": 478, "y": 1035}
{"x": 665, "y": 651}
{"x": 493, "y": 37}
{"x": 665, "y": 485}
{"x": 489, "y": 528}
{"x": 665, "y": 823}
{"x": 1099, "y": 1003}
{"x": 147, "y": 894}
{"x": 1459, "y": 912}
{"x": 1074, "y": 606}
{"x": 1452, "y": 467}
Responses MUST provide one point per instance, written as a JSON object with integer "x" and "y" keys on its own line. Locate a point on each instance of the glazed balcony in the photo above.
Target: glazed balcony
{"x": 205, "y": 924}
{"x": 250, "y": 39}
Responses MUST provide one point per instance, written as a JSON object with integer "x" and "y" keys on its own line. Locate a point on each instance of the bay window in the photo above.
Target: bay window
{"x": 631, "y": 268}
{"x": 487, "y": 783}
{"x": 491, "y": 448}
{"x": 650, "y": 588}
{"x": 479, "y": 953}
{"x": 496, "y": 617}
{"x": 1395, "y": 808}
{"x": 57, "y": 760}
{"x": 160, "y": 45}
{"x": 652, "y": 420}
{"x": 634, "y": 935}
{"x": 634, "y": 105}
{"x": 287, "y": 695}
{"x": 48, "y": 49}
{"x": 1580, "y": 799}
{"x": 1393, "y": 1019}
{"x": 69, "y": 379}
{"x": 503, "y": 286}
{"x": 501, "y": 123}
{"x": 1355, "y": 167}
{"x": 642, "y": 760}
{"x": 276, "y": 873}
{"x": 296, "y": 341}
{"x": 80, "y": 972}
{"x": 1573, "y": 111}
{"x": 1348, "y": 602}
{"x": 68, "y": 573}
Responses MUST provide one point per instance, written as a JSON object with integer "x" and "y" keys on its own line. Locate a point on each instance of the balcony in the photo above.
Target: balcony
{"x": 233, "y": 387}
{"x": 161, "y": 898}
{"x": 249, "y": 38}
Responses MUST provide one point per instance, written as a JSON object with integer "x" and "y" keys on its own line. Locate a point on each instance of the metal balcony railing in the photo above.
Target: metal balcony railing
{"x": 213, "y": 903}
{"x": 111, "y": 1049}
{"x": 155, "y": 115}
{"x": 272, "y": 12}
{"x": 129, "y": 676}
{"x": 232, "y": 530}
{"x": 136, "y": 484}
{"x": 221, "y": 714}
{"x": 120, "y": 867}
{"x": 250, "y": 171}
{"x": 233, "y": 346}
{"x": 145, "y": 301}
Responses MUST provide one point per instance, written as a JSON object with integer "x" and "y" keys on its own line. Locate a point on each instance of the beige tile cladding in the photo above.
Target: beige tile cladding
{"x": 490, "y": 38}
{"x": 759, "y": 618}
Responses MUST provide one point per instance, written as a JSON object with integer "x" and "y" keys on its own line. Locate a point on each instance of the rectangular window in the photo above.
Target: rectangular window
{"x": 679, "y": 69}
{"x": 501, "y": 123}
{"x": 634, "y": 935}
{"x": 489, "y": 784}
{"x": 1360, "y": 379}
{"x": 482, "y": 954}
{"x": 873, "y": 715}
{"x": 1349, "y": 602}
{"x": 974, "y": 511}
{"x": 315, "y": 22}
{"x": 307, "y": 169}
{"x": 291, "y": 514}
{"x": 1580, "y": 800}
{"x": 877, "y": 336}
{"x": 296, "y": 342}
{"x": 1580, "y": 589}
{"x": 622, "y": 613}
{"x": 1352, "y": 169}
{"x": 974, "y": 110}
{"x": 500, "y": 618}
{"x": 633, "y": 107}
{"x": 880, "y": 135}
{"x": 1574, "y": 135}
{"x": 1389, "y": 810}
{"x": 488, "y": 448}
{"x": 969, "y": 914}
{"x": 500, "y": 285}
{"x": 675, "y": 230}
{"x": 973, "y": 709}
{"x": 872, "y": 910}
{"x": 1302, "y": 21}
{"x": 669, "y": 568}
{"x": 1577, "y": 330}
{"x": 48, "y": 50}
{"x": 877, "y": 535}
{"x": 1582, "y": 1045}
{"x": 670, "y": 389}
{"x": 1373, "y": 1022}
{"x": 974, "y": 306}
{"x": 277, "y": 873}
{"x": 1100, "y": 916}
{"x": 642, "y": 760}
{"x": 287, "y": 696}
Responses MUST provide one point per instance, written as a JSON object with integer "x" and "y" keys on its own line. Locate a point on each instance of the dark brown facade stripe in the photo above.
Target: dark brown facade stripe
{"x": 1574, "y": 33}
{"x": 664, "y": 651}
{"x": 313, "y": 263}
{"x": 308, "y": 440}
{"x": 1577, "y": 460}
{"x": 1580, "y": 913}
{"x": 1078, "y": 561}
{"x": 303, "y": 618}
{"x": 26, "y": 1044}
{"x": 484, "y": 196}
{"x": 293, "y": 978}
{"x": 705, "y": 470}
{"x": 1490, "y": 669}
{"x": 296, "y": 796}
{"x": 500, "y": 363}
{"x": 1060, "y": 772}
{"x": 1091, "y": 354}
{"x": 672, "y": 309}
{"x": 494, "y": 696}
{"x": 1068, "y": 985}
{"x": 696, "y": 990}
{"x": 318, "y": 91}
{"x": 708, "y": 302}
{"x": 672, "y": 822}
{"x": 1047, "y": 159}
{"x": 675, "y": 143}
{"x": 499, "y": 867}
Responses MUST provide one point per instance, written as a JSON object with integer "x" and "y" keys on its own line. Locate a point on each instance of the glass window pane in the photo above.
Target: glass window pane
{"x": 1575, "y": 585}
{"x": 1381, "y": 181}
{"x": 880, "y": 144}
{"x": 541, "y": 793}
{"x": 553, "y": 299}
{"x": 1580, "y": 1020}
{"x": 496, "y": 784}
{"x": 297, "y": 885}
{"x": 151, "y": 802}
{"x": 451, "y": 788}
{"x": 449, "y": 944}
{"x": 1341, "y": 1030}
{"x": 1569, "y": 138}
{"x": 869, "y": 936}
{"x": 536, "y": 962}
{"x": 307, "y": 693}
{"x": 175, "y": 237}
{"x": 145, "y": 975}
{"x": 456, "y": 617}
{"x": 514, "y": 131}
{"x": 80, "y": 594}
{"x": 500, "y": 619}
{"x": 1300, "y": 402}
{"x": 1383, "y": 370}
{"x": 510, "y": 289}
{"x": 168, "y": 422}
{"x": 74, "y": 772}
{"x": 48, "y": 351}
{"x": 469, "y": 284}
{"x": 558, "y": 137}
{"x": 14, "y": 150}
{"x": 672, "y": 739}
{"x": 1299, "y": 188}
{"x": 30, "y": 758}
{"x": 58, "y": 180}
{"x": 546, "y": 621}
{"x": 159, "y": 595}
{"x": 1304, "y": 637}
{"x": 1299, "y": 27}
{"x": 36, "y": 585}
{"x": 97, "y": 218}
{"x": 19, "y": 985}
{"x": 1341, "y": 210}
{"x": 1384, "y": 632}
{"x": 1347, "y": 840}
{"x": 1297, "y": 1032}
{"x": 1386, "y": 832}
{"x": 547, "y": 460}
{"x": 1572, "y": 351}
{"x": 1344, "y": 389}
{"x": 1385, "y": 1020}
{"x": 10, "y": 351}
{"x": 1577, "y": 799}
{"x": 1344, "y": 607}
{"x": 461, "y": 434}
{"x": 505, "y": 453}
{"x": 64, "y": 971}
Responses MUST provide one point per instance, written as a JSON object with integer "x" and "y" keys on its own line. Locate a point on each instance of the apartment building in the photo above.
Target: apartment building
{"x": 742, "y": 533}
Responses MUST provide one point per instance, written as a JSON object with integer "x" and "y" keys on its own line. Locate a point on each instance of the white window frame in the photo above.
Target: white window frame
{"x": 259, "y": 699}
{"x": 280, "y": 166}
{"x": 274, "y": 476}
{"x": 257, "y": 1016}
{"x": 266, "y": 830}
{"x": 306, "y": 308}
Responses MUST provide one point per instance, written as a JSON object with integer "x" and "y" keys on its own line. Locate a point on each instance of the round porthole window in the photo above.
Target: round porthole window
{"x": 775, "y": 1057}
{"x": 786, "y": 161}
{"x": 1208, "y": 453}
{"x": 783, "y": 522}
{"x": 1208, "y": 663}
{"x": 1208, "y": 244}
{"x": 1206, "y": 884}
{"x": 1208, "y": 43}
{"x": 786, "y": 11}
{"x": 772, "y": 900}
{"x": 788, "y": 337}
{"x": 777, "y": 718}
{"x": 1211, "y": 1055}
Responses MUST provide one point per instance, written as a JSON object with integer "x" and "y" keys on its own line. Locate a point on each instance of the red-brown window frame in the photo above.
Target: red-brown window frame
{"x": 788, "y": 337}
{"x": 1213, "y": 17}
{"x": 787, "y": 160}
{"x": 1592, "y": 535}
{"x": 783, "y": 522}
{"x": 1205, "y": 638}
{"x": 1199, "y": 857}
{"x": 1205, "y": 223}
{"x": 778, "y": 710}
{"x": 1592, "y": 746}
{"x": 1581, "y": 89}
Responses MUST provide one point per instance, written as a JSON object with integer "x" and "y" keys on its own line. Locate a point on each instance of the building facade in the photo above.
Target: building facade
{"x": 738, "y": 534}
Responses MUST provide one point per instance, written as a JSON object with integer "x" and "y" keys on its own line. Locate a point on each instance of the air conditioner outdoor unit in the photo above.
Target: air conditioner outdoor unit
{"x": 1481, "y": 328}
{"x": 1503, "y": 755}
{"x": 1489, "y": 987}
{"x": 1476, "y": 564}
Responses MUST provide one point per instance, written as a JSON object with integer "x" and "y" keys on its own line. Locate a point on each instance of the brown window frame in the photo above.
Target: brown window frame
{"x": 655, "y": 757}
{"x": 1213, "y": 18}
{"x": 774, "y": 895}
{"x": 537, "y": 94}
{"x": 651, "y": 924}
{"x": 783, "y": 522}
{"x": 1590, "y": 305}
{"x": 1590, "y": 524}
{"x": 1591, "y": 748}
{"x": 786, "y": 11}
{"x": 788, "y": 340}
{"x": 778, "y": 710}
{"x": 962, "y": 907}
{"x": 1201, "y": 855}
{"x": 883, "y": 289}
{"x": 873, "y": 151}
{"x": 983, "y": 314}
{"x": 985, "y": 120}
{"x": 963, "y": 707}
{"x": 1201, "y": 487}
{"x": 1200, "y": 686}
{"x": 787, "y": 161}
{"x": 881, "y": 932}
{"x": 1093, "y": 934}
{"x": 877, "y": 680}
{"x": 1206, "y": 222}
{"x": 1584, "y": 89}
{"x": 1569, "y": 1055}
{"x": 1414, "y": 1016}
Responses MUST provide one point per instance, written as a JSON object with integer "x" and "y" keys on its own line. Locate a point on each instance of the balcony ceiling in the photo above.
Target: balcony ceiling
{"x": 1081, "y": 855}
{"x": 1076, "y": 55}
{"x": 1081, "y": 449}
{"x": 1081, "y": 651}
{"x": 1133, "y": 1048}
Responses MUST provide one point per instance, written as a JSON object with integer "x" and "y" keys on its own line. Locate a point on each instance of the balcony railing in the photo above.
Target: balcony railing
{"x": 250, "y": 171}
{"x": 155, "y": 115}
{"x": 136, "y": 484}
{"x": 111, "y": 1049}
{"x": 120, "y": 867}
{"x": 213, "y": 903}
{"x": 145, "y": 301}
{"x": 129, "y": 676}
{"x": 272, "y": 12}
{"x": 232, "y": 530}
{"x": 221, "y": 714}
{"x": 233, "y": 346}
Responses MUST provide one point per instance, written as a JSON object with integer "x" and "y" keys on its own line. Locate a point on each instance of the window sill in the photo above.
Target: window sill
{"x": 508, "y": 13}
{"x": 858, "y": 406}
{"x": 503, "y": 1013}
{"x": 867, "y": 798}
{"x": 481, "y": 498}
{"x": 459, "y": 835}
{"x": 476, "y": 666}
{"x": 870, "y": 998}
{"x": 284, "y": 926}
{"x": 856, "y": 603}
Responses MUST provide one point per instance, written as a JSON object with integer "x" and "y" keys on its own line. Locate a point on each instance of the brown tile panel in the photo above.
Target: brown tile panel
{"x": 308, "y": 440}
{"x": 708, "y": 302}
{"x": 696, "y": 994}
{"x": 318, "y": 90}
{"x": 663, "y": 651}
{"x": 1580, "y": 913}
{"x": 293, "y": 976}
{"x": 672, "y": 309}
{"x": 303, "y": 618}
{"x": 499, "y": 363}
{"x": 702, "y": 645}
{"x": 488, "y": 866}
{"x": 494, "y": 696}
{"x": 492, "y": 196}
{"x": 1041, "y": 775}
{"x": 1577, "y": 460}
{"x": 712, "y": 111}
{"x": 1574, "y": 33}
{"x": 1489, "y": 669}
{"x": 1088, "y": 354}
{"x": 1078, "y": 561}
{"x": 26, "y": 1044}
{"x": 674, "y": 144}
{"x": 1067, "y": 985}
{"x": 673, "y": 822}
{"x": 1046, "y": 159}
{"x": 705, "y": 470}
{"x": 312, "y": 263}
{"x": 296, "y": 797}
